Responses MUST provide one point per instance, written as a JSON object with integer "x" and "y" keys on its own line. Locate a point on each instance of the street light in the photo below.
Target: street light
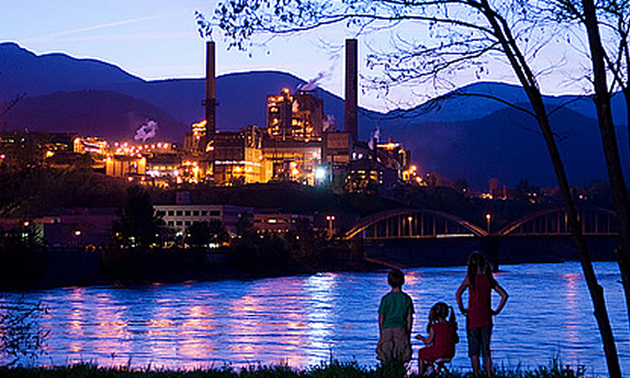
{"x": 77, "y": 233}
{"x": 331, "y": 220}
{"x": 488, "y": 217}
{"x": 410, "y": 218}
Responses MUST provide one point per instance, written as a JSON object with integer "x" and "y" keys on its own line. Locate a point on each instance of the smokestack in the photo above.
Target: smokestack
{"x": 210, "y": 102}
{"x": 350, "y": 106}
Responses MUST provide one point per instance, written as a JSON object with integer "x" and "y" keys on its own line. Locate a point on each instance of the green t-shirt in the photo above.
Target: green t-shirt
{"x": 395, "y": 308}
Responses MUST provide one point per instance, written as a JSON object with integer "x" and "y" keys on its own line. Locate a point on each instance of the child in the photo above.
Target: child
{"x": 442, "y": 337}
{"x": 480, "y": 283}
{"x": 395, "y": 318}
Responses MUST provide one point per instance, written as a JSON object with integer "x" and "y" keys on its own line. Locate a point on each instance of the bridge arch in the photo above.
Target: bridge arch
{"x": 413, "y": 223}
{"x": 594, "y": 221}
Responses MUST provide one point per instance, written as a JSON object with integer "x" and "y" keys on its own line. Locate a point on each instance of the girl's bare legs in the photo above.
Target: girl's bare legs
{"x": 474, "y": 362}
{"x": 487, "y": 363}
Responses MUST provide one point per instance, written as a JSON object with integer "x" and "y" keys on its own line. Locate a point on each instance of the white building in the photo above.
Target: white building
{"x": 179, "y": 217}
{"x": 279, "y": 222}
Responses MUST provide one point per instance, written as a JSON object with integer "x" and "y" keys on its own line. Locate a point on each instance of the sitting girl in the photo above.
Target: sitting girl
{"x": 441, "y": 339}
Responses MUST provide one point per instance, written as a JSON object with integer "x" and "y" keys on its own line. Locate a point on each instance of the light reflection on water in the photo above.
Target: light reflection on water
{"x": 304, "y": 320}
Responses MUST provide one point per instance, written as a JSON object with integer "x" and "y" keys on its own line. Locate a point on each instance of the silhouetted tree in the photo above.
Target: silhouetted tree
{"x": 138, "y": 225}
{"x": 20, "y": 333}
{"x": 608, "y": 19}
{"x": 526, "y": 192}
{"x": 201, "y": 234}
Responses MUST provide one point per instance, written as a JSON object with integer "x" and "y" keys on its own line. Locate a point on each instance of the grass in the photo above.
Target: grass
{"x": 332, "y": 369}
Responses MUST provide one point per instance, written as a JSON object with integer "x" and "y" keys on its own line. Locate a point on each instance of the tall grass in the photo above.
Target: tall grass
{"x": 332, "y": 369}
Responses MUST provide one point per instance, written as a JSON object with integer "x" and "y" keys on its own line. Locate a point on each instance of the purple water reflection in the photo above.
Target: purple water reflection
{"x": 303, "y": 320}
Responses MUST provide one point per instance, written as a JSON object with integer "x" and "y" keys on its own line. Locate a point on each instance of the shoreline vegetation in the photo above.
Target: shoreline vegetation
{"x": 247, "y": 258}
{"x": 331, "y": 369}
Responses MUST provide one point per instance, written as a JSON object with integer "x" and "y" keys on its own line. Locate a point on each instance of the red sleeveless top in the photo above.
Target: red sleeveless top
{"x": 480, "y": 301}
{"x": 445, "y": 338}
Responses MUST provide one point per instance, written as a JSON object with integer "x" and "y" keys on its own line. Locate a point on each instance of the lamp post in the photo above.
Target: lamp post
{"x": 488, "y": 218}
{"x": 77, "y": 234}
{"x": 331, "y": 220}
{"x": 410, "y": 218}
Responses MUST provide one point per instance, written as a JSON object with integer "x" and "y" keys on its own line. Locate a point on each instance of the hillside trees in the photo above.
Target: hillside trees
{"x": 464, "y": 33}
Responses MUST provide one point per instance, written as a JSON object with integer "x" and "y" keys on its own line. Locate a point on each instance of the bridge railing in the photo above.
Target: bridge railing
{"x": 413, "y": 223}
{"x": 418, "y": 224}
{"x": 593, "y": 221}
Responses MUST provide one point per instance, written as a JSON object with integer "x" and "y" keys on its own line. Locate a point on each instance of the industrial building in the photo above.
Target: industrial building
{"x": 297, "y": 142}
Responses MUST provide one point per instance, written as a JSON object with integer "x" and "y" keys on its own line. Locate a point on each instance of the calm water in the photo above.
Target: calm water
{"x": 303, "y": 320}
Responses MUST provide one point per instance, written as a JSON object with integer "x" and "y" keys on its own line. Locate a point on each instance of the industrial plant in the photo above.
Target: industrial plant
{"x": 298, "y": 143}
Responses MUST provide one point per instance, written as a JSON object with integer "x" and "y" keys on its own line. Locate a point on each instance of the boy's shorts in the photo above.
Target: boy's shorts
{"x": 394, "y": 342}
{"x": 479, "y": 341}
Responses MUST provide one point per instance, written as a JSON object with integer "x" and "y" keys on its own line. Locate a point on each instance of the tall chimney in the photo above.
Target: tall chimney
{"x": 210, "y": 102}
{"x": 350, "y": 106}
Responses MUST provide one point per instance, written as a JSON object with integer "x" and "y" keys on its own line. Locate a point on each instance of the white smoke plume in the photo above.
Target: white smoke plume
{"x": 314, "y": 83}
{"x": 146, "y": 131}
{"x": 376, "y": 135}
{"x": 328, "y": 123}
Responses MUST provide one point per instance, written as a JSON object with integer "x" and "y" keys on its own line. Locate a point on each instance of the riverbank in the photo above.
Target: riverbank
{"x": 80, "y": 268}
{"x": 333, "y": 369}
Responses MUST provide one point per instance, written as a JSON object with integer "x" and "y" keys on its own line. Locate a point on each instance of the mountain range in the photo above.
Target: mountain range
{"x": 466, "y": 135}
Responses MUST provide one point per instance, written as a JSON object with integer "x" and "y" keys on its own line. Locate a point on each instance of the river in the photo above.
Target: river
{"x": 304, "y": 320}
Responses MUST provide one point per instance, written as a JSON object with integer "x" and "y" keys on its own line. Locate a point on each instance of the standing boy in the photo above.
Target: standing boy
{"x": 395, "y": 319}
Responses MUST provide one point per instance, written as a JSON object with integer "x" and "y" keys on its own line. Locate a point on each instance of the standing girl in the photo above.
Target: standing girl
{"x": 480, "y": 283}
{"x": 442, "y": 337}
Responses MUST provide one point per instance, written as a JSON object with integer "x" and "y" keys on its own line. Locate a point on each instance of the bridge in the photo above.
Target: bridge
{"x": 437, "y": 238}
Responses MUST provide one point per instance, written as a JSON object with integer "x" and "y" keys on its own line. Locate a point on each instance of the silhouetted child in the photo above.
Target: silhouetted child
{"x": 395, "y": 319}
{"x": 441, "y": 339}
{"x": 480, "y": 283}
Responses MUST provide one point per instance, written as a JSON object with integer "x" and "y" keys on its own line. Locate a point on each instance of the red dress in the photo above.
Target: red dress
{"x": 443, "y": 346}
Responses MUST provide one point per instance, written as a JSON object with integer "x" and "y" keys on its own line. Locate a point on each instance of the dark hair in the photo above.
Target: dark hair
{"x": 477, "y": 263}
{"x": 439, "y": 311}
{"x": 395, "y": 278}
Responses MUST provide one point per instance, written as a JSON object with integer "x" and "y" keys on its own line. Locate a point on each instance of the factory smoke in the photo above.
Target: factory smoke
{"x": 328, "y": 123}
{"x": 146, "y": 131}
{"x": 314, "y": 83}
{"x": 376, "y": 136}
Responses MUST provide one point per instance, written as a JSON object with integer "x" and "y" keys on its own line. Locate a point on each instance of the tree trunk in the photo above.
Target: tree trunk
{"x": 595, "y": 290}
{"x": 609, "y": 141}
{"x": 626, "y": 96}
{"x": 528, "y": 81}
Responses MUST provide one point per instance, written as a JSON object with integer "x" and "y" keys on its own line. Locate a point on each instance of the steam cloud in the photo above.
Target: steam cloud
{"x": 314, "y": 83}
{"x": 328, "y": 123}
{"x": 376, "y": 135}
{"x": 148, "y": 130}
